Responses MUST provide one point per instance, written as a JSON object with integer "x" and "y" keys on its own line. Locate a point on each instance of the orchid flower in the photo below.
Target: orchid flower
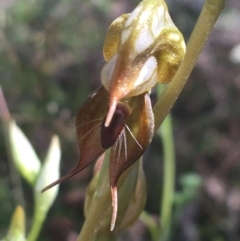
{"x": 141, "y": 49}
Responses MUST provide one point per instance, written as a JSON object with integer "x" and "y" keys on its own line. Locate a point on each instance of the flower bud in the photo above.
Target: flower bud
{"x": 142, "y": 48}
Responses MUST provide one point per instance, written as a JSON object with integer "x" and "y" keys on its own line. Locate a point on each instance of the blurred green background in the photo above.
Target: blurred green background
{"x": 50, "y": 61}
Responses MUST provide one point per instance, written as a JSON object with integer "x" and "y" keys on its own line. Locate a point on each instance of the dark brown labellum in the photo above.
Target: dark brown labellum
{"x": 110, "y": 133}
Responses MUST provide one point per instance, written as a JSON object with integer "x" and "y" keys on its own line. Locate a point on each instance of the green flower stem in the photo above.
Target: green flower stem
{"x": 166, "y": 134}
{"x": 205, "y": 23}
{"x": 207, "y": 19}
{"x": 101, "y": 203}
{"x": 151, "y": 224}
{"x": 38, "y": 220}
{"x": 98, "y": 210}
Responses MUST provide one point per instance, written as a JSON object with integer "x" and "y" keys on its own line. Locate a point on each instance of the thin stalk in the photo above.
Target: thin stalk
{"x": 101, "y": 201}
{"x": 166, "y": 134}
{"x": 151, "y": 225}
{"x": 38, "y": 220}
{"x": 207, "y": 19}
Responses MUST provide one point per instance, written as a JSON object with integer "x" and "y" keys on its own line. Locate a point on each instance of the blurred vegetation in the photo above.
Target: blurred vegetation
{"x": 50, "y": 55}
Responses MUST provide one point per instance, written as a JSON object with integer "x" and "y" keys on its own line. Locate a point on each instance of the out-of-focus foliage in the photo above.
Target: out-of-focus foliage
{"x": 25, "y": 162}
{"x": 16, "y": 230}
{"x": 50, "y": 55}
{"x": 23, "y": 155}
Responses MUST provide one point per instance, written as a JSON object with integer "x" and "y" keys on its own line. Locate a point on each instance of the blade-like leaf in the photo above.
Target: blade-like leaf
{"x": 16, "y": 230}
{"x": 23, "y": 154}
{"x": 49, "y": 172}
{"x": 43, "y": 201}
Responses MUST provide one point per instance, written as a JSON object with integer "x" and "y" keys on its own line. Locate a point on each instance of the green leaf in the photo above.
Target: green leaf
{"x": 43, "y": 201}
{"x": 16, "y": 230}
{"x": 49, "y": 173}
{"x": 23, "y": 154}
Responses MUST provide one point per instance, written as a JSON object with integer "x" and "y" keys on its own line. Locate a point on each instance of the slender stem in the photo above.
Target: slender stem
{"x": 200, "y": 34}
{"x": 38, "y": 220}
{"x": 101, "y": 201}
{"x": 203, "y": 27}
{"x": 166, "y": 133}
{"x": 151, "y": 224}
{"x": 93, "y": 221}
